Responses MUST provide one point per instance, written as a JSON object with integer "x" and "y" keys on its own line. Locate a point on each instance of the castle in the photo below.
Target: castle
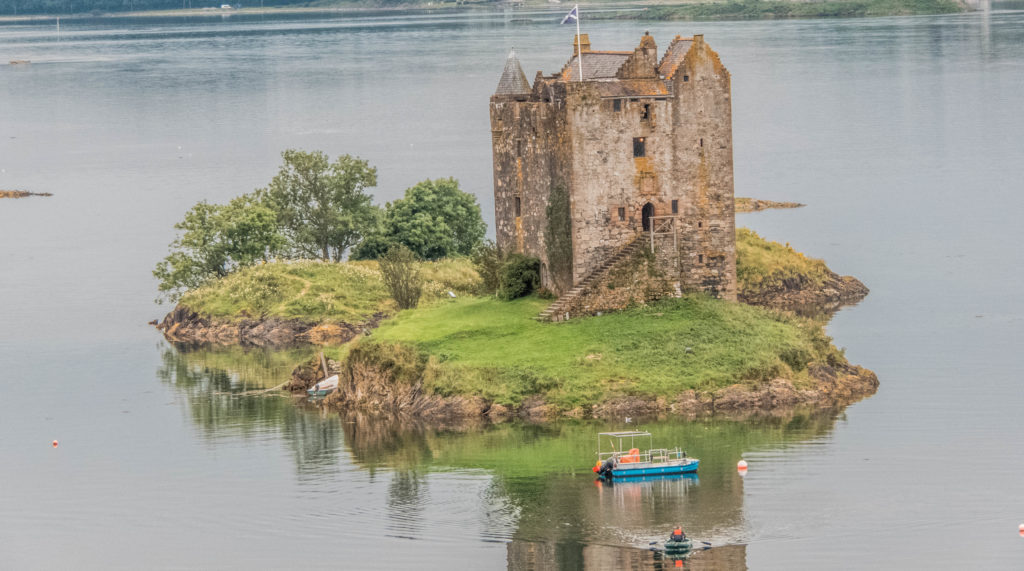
{"x": 636, "y": 149}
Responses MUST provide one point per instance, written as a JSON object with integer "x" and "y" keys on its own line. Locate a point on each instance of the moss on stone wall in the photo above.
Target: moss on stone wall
{"x": 558, "y": 237}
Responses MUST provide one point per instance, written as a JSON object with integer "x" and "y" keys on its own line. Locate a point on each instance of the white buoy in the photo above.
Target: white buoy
{"x": 1021, "y": 528}
{"x": 741, "y": 465}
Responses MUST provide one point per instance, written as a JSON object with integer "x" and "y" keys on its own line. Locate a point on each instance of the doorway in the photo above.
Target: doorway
{"x": 646, "y": 214}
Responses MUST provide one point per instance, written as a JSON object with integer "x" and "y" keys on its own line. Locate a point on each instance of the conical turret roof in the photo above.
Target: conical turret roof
{"x": 513, "y": 80}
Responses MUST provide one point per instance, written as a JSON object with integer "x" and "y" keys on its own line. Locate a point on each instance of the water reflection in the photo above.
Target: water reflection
{"x": 212, "y": 383}
{"x": 543, "y": 499}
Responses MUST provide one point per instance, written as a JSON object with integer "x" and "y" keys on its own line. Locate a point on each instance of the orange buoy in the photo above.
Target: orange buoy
{"x": 741, "y": 465}
{"x": 1021, "y": 528}
{"x": 679, "y": 563}
{"x": 54, "y": 443}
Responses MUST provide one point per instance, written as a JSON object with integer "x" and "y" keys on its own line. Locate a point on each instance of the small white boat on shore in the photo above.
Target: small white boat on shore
{"x": 324, "y": 387}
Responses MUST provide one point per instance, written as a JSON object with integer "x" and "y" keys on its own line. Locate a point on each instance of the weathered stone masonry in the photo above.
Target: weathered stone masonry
{"x": 639, "y": 142}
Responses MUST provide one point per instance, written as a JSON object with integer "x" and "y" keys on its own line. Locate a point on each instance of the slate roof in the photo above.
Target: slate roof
{"x": 513, "y": 81}
{"x": 674, "y": 56}
{"x": 596, "y": 65}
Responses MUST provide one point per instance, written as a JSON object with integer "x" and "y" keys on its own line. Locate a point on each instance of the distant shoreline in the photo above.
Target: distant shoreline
{"x": 642, "y": 10}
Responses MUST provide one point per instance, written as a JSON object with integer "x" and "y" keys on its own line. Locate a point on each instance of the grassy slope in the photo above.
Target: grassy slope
{"x": 763, "y": 264}
{"x": 494, "y": 349}
{"x": 319, "y": 291}
{"x": 351, "y": 292}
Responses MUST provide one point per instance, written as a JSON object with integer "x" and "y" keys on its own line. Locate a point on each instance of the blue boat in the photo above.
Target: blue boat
{"x": 622, "y": 458}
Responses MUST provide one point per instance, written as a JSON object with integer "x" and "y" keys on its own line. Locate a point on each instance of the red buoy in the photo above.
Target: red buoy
{"x": 54, "y": 443}
{"x": 741, "y": 465}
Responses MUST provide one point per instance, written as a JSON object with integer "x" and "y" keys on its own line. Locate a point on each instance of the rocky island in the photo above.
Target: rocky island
{"x": 618, "y": 283}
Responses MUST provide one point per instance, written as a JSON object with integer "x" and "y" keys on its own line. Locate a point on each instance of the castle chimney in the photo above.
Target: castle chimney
{"x": 649, "y": 48}
{"x": 581, "y": 41}
{"x": 698, "y": 40}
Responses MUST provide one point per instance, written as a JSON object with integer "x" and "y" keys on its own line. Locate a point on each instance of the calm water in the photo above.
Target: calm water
{"x": 903, "y": 135}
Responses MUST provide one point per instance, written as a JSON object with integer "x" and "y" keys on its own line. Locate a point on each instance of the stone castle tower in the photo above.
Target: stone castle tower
{"x": 639, "y": 149}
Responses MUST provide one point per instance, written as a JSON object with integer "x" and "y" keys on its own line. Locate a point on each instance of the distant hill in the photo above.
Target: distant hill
{"x": 98, "y": 7}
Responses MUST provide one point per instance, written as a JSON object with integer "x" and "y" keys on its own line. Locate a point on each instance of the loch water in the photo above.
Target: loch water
{"x": 904, "y": 136}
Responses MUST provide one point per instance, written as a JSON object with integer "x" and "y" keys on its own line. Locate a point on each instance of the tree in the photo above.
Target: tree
{"x": 321, "y": 206}
{"x": 435, "y": 219}
{"x": 400, "y": 272}
{"x": 214, "y": 240}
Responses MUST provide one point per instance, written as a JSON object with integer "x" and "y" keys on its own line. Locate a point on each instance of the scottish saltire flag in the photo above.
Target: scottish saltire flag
{"x": 573, "y": 15}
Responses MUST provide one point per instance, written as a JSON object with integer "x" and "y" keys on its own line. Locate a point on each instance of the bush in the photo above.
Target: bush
{"x": 488, "y": 260}
{"x": 400, "y": 272}
{"x": 519, "y": 276}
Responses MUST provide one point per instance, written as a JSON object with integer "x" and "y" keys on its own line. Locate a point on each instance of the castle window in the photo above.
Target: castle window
{"x": 519, "y": 207}
{"x": 686, "y": 78}
{"x": 700, "y": 225}
{"x": 675, "y": 207}
{"x": 646, "y": 113}
{"x": 622, "y": 214}
{"x": 702, "y": 142}
{"x": 616, "y": 105}
{"x": 700, "y": 258}
{"x": 639, "y": 149}
{"x": 519, "y": 147}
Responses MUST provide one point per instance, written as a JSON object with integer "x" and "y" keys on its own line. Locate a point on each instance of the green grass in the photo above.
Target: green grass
{"x": 320, "y": 291}
{"x": 761, "y": 264}
{"x": 496, "y": 350}
{"x": 778, "y": 9}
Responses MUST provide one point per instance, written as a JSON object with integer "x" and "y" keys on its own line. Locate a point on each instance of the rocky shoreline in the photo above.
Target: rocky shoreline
{"x": 801, "y": 292}
{"x": 184, "y": 325}
{"x": 372, "y": 385}
{"x": 757, "y": 205}
{"x": 22, "y": 194}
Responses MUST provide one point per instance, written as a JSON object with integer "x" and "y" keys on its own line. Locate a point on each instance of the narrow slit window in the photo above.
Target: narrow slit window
{"x": 617, "y": 105}
{"x": 639, "y": 147}
{"x": 700, "y": 258}
{"x": 645, "y": 113}
{"x": 622, "y": 214}
{"x": 702, "y": 142}
{"x": 700, "y": 225}
{"x": 675, "y": 207}
{"x": 519, "y": 207}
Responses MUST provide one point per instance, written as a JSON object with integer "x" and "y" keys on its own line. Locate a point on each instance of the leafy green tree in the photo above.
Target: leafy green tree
{"x": 400, "y": 272}
{"x": 321, "y": 206}
{"x": 435, "y": 219}
{"x": 214, "y": 240}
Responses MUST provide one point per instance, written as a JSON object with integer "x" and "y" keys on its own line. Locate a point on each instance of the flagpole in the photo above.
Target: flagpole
{"x": 579, "y": 47}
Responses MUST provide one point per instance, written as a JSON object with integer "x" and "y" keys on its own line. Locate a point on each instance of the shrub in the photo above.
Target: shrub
{"x": 519, "y": 276}
{"x": 488, "y": 260}
{"x": 400, "y": 272}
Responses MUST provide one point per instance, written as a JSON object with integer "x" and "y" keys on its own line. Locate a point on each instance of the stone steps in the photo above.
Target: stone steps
{"x": 556, "y": 311}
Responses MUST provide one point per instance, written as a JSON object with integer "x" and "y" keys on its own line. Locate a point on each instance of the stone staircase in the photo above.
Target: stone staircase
{"x": 556, "y": 311}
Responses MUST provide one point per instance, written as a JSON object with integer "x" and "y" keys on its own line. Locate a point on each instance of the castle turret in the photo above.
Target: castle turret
{"x": 513, "y": 81}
